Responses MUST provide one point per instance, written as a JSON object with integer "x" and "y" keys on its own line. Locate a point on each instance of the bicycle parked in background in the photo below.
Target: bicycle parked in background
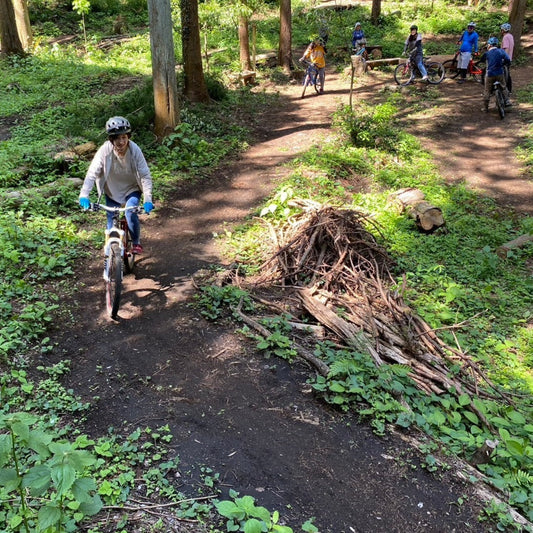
{"x": 118, "y": 254}
{"x": 310, "y": 77}
{"x": 406, "y": 72}
{"x": 473, "y": 70}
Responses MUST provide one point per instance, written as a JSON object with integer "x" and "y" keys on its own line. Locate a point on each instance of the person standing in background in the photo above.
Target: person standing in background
{"x": 508, "y": 48}
{"x": 468, "y": 42}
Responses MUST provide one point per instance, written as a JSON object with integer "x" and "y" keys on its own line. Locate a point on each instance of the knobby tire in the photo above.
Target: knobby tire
{"x": 129, "y": 257}
{"x": 306, "y": 82}
{"x": 450, "y": 68}
{"x": 114, "y": 280}
{"x": 403, "y": 75}
{"x": 436, "y": 72}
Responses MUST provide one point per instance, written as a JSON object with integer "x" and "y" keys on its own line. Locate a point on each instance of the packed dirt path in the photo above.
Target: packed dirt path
{"x": 254, "y": 421}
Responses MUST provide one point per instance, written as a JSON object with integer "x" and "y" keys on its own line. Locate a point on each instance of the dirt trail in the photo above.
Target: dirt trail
{"x": 254, "y": 421}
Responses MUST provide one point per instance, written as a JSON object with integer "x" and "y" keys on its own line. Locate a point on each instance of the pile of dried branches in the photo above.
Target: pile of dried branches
{"x": 332, "y": 262}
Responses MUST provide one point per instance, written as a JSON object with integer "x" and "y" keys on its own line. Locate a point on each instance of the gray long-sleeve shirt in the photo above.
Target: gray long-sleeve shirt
{"x": 102, "y": 165}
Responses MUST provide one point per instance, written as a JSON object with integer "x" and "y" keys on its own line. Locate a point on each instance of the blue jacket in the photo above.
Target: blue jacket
{"x": 496, "y": 58}
{"x": 357, "y": 35}
{"x": 469, "y": 42}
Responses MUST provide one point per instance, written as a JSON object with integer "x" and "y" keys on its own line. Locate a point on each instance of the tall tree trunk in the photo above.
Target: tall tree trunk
{"x": 517, "y": 13}
{"x": 244, "y": 43}
{"x": 9, "y": 37}
{"x": 22, "y": 17}
{"x": 285, "y": 36}
{"x": 376, "y": 11}
{"x": 195, "y": 86}
{"x": 163, "y": 68}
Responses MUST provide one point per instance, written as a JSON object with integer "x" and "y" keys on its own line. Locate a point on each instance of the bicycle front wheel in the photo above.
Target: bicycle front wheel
{"x": 403, "y": 74}
{"x": 307, "y": 80}
{"x": 435, "y": 72}
{"x": 450, "y": 68}
{"x": 113, "y": 280}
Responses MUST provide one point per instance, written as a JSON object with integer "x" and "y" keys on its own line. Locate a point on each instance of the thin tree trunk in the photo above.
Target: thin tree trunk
{"x": 163, "y": 68}
{"x": 376, "y": 11}
{"x": 285, "y": 36}
{"x": 195, "y": 86}
{"x": 244, "y": 44}
{"x": 517, "y": 13}
{"x": 9, "y": 37}
{"x": 23, "y": 23}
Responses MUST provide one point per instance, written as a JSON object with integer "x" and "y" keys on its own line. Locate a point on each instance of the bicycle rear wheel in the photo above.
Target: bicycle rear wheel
{"x": 435, "y": 72}
{"x": 113, "y": 281}
{"x": 500, "y": 101}
{"x": 403, "y": 74}
{"x": 129, "y": 257}
{"x": 450, "y": 68}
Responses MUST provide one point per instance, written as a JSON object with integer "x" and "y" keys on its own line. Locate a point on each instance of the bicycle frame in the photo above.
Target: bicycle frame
{"x": 310, "y": 76}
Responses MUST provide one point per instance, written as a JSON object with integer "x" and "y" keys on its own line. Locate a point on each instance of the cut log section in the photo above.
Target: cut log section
{"x": 427, "y": 216}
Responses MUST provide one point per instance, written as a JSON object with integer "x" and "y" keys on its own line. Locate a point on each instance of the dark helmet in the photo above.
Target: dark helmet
{"x": 414, "y": 27}
{"x": 493, "y": 41}
{"x": 117, "y": 126}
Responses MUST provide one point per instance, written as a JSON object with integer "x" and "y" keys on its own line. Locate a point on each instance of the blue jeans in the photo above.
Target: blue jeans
{"x": 132, "y": 200}
{"x": 419, "y": 60}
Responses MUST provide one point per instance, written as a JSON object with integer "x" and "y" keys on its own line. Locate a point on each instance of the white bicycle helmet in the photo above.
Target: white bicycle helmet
{"x": 471, "y": 25}
{"x": 505, "y": 27}
{"x": 117, "y": 126}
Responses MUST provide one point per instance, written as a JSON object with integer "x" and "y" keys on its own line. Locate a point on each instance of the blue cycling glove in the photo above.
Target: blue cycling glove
{"x": 148, "y": 206}
{"x": 85, "y": 203}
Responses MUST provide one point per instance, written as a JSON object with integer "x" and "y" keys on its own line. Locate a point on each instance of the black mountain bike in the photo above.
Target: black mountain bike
{"x": 118, "y": 254}
{"x": 497, "y": 89}
{"x": 310, "y": 77}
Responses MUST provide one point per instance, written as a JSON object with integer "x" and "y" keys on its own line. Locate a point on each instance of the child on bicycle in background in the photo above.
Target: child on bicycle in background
{"x": 495, "y": 58}
{"x": 121, "y": 173}
{"x": 358, "y": 37}
{"x": 316, "y": 54}
{"x": 413, "y": 45}
{"x": 469, "y": 43}
{"x": 508, "y": 48}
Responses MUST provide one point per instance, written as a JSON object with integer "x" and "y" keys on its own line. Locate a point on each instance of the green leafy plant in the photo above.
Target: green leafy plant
{"x": 48, "y": 477}
{"x": 244, "y": 515}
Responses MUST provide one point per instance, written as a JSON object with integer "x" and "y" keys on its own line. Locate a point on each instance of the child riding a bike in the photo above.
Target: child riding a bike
{"x": 121, "y": 174}
{"x": 496, "y": 59}
{"x": 316, "y": 54}
{"x": 413, "y": 46}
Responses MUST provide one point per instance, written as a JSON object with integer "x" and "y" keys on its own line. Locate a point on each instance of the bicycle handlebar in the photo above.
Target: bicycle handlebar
{"x": 98, "y": 207}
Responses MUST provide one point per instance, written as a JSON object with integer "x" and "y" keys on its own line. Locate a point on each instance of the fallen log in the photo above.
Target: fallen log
{"x": 427, "y": 216}
{"x": 519, "y": 242}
